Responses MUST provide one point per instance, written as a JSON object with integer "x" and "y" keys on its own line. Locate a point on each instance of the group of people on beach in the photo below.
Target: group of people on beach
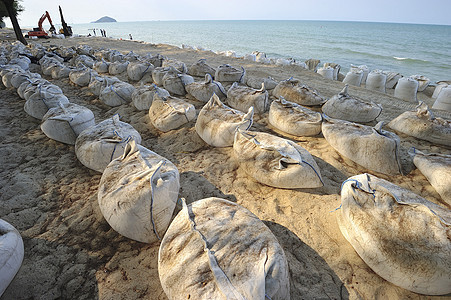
{"x": 102, "y": 32}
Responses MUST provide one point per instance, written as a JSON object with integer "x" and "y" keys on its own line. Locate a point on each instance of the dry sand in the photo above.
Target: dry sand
{"x": 72, "y": 253}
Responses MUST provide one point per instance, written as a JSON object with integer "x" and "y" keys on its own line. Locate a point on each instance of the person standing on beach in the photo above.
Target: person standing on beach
{"x": 130, "y": 35}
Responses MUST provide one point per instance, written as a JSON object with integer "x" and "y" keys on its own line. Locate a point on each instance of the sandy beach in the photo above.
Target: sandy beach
{"x": 71, "y": 252}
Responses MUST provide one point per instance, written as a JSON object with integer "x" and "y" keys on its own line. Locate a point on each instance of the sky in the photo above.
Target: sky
{"x": 86, "y": 11}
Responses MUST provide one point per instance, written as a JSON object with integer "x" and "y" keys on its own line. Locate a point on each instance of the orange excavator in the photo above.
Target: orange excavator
{"x": 39, "y": 31}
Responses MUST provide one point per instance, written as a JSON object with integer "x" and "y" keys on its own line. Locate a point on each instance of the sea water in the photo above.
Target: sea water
{"x": 409, "y": 49}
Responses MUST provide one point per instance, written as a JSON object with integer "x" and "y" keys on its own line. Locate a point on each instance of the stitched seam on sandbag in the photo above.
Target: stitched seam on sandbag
{"x": 212, "y": 262}
{"x": 302, "y": 160}
{"x": 152, "y": 197}
{"x": 111, "y": 88}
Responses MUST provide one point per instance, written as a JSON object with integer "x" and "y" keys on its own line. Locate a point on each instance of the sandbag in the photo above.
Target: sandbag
{"x": 60, "y": 72}
{"x": 175, "y": 82}
{"x": 203, "y": 91}
{"x": 326, "y": 72}
{"x": 118, "y": 67}
{"x": 406, "y": 89}
{"x": 243, "y": 97}
{"x": 40, "y": 102}
{"x": 217, "y": 123}
{"x": 376, "y": 81}
{"x": 11, "y": 254}
{"x": 294, "y": 119}
{"x": 29, "y": 84}
{"x": 18, "y": 78}
{"x": 158, "y": 74}
{"x": 312, "y": 63}
{"x": 168, "y": 113}
{"x": 443, "y": 100}
{"x": 276, "y": 161}
{"x": 201, "y": 68}
{"x": 294, "y": 91}
{"x": 142, "y": 97}
{"x": 66, "y": 121}
{"x": 98, "y": 145}
{"x": 83, "y": 59}
{"x": 440, "y": 85}
{"x": 401, "y": 236}
{"x": 137, "y": 71}
{"x": 42, "y": 88}
{"x": 117, "y": 94}
{"x": 98, "y": 83}
{"x": 176, "y": 64}
{"x": 423, "y": 82}
{"x": 229, "y": 74}
{"x": 370, "y": 147}
{"x": 422, "y": 124}
{"x": 228, "y": 252}
{"x": 349, "y": 108}
{"x": 365, "y": 71}
{"x": 101, "y": 66}
{"x": 353, "y": 77}
{"x": 138, "y": 193}
{"x": 336, "y": 68}
{"x": 436, "y": 168}
{"x": 256, "y": 83}
{"x": 82, "y": 76}
{"x": 392, "y": 79}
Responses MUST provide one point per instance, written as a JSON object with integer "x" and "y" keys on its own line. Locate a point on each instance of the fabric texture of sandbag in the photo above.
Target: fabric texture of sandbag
{"x": 142, "y": 97}
{"x": 407, "y": 89}
{"x": 228, "y": 252}
{"x": 243, "y": 97}
{"x": 201, "y": 68}
{"x": 42, "y": 100}
{"x": 229, "y": 74}
{"x": 168, "y": 113}
{"x": 443, "y": 100}
{"x": 137, "y": 71}
{"x": 117, "y": 94}
{"x": 294, "y": 91}
{"x": 376, "y": 80}
{"x": 203, "y": 91}
{"x": 11, "y": 254}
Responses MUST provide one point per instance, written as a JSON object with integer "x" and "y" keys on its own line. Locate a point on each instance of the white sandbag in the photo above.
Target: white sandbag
{"x": 370, "y": 147}
{"x": 101, "y": 66}
{"x": 42, "y": 88}
{"x": 158, "y": 75}
{"x": 406, "y": 89}
{"x": 20, "y": 77}
{"x": 6, "y": 78}
{"x": 40, "y": 102}
{"x": 201, "y": 68}
{"x": 336, "y": 68}
{"x": 326, "y": 72}
{"x": 139, "y": 70}
{"x": 142, "y": 97}
{"x": 261, "y": 57}
{"x": 243, "y": 98}
{"x": 353, "y": 77}
{"x": 155, "y": 60}
{"x": 29, "y": 84}
{"x": 138, "y": 192}
{"x": 11, "y": 254}
{"x": 227, "y": 252}
{"x": 82, "y": 76}
{"x": 203, "y": 91}
{"x": 227, "y": 73}
{"x": 276, "y": 161}
{"x": 294, "y": 91}
{"x": 443, "y": 100}
{"x": 118, "y": 67}
{"x": 401, "y": 236}
{"x": 98, "y": 83}
{"x": 250, "y": 57}
{"x": 392, "y": 79}
{"x": 294, "y": 119}
{"x": 175, "y": 82}
{"x": 436, "y": 168}
{"x": 83, "y": 59}
{"x": 349, "y": 108}
{"x": 423, "y": 82}
{"x": 256, "y": 82}
{"x": 170, "y": 113}
{"x": 60, "y": 72}
{"x": 176, "y": 64}
{"x": 376, "y": 81}
{"x": 117, "y": 94}
{"x": 312, "y": 64}
{"x": 422, "y": 124}
{"x": 66, "y": 121}
{"x": 98, "y": 145}
{"x": 217, "y": 123}
{"x": 21, "y": 61}
{"x": 48, "y": 65}
{"x": 440, "y": 85}
{"x": 365, "y": 71}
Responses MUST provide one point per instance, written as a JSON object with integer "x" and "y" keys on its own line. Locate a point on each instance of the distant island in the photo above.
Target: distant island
{"x": 105, "y": 20}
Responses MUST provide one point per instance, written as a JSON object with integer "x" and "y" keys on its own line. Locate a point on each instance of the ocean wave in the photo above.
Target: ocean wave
{"x": 408, "y": 59}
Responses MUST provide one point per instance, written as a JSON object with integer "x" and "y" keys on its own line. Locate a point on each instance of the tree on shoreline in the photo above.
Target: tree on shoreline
{"x": 11, "y": 9}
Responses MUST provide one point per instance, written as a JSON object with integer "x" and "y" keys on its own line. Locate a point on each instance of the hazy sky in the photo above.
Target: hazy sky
{"x": 85, "y": 11}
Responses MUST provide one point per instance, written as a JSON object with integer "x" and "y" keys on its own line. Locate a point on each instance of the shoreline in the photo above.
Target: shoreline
{"x": 72, "y": 252}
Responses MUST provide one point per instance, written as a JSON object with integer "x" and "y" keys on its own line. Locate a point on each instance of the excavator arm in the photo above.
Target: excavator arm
{"x": 42, "y": 19}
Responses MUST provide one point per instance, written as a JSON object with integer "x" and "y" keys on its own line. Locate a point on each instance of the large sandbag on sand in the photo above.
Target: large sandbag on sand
{"x": 203, "y": 91}
{"x": 98, "y": 145}
{"x": 293, "y": 91}
{"x": 41, "y": 101}
{"x": 243, "y": 98}
{"x": 423, "y": 125}
{"x": 407, "y": 89}
{"x": 82, "y": 76}
{"x": 139, "y": 70}
{"x": 370, "y": 147}
{"x": 376, "y": 81}
{"x": 227, "y": 252}
{"x": 142, "y": 97}
{"x": 229, "y": 74}
{"x": 276, "y": 161}
{"x": 217, "y": 123}
{"x": 423, "y": 82}
{"x": 11, "y": 254}
{"x": 65, "y": 122}
{"x": 437, "y": 169}
{"x": 349, "y": 108}
{"x": 168, "y": 113}
{"x": 138, "y": 192}
{"x": 401, "y": 236}
{"x": 117, "y": 94}
{"x": 201, "y": 68}
{"x": 443, "y": 100}
{"x": 294, "y": 119}
{"x": 175, "y": 82}
{"x": 256, "y": 82}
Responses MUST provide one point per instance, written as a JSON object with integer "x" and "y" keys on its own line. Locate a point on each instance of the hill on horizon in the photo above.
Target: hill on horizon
{"x": 105, "y": 19}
